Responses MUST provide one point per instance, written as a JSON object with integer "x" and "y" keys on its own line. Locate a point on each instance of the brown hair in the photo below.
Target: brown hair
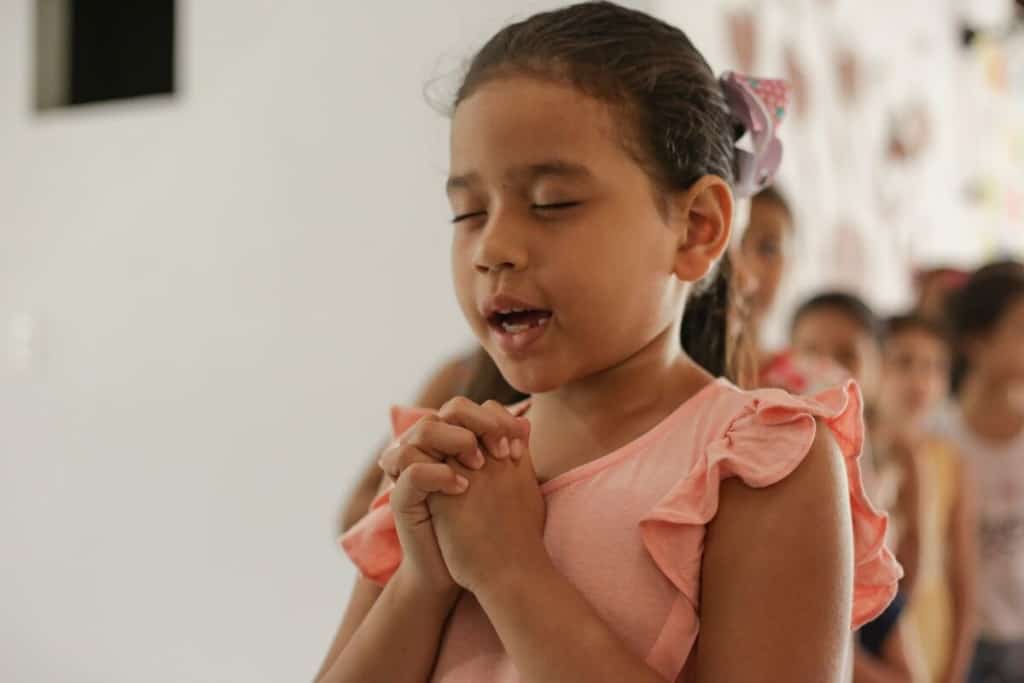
{"x": 980, "y": 305}
{"x": 908, "y": 322}
{"x": 677, "y": 123}
{"x": 775, "y": 195}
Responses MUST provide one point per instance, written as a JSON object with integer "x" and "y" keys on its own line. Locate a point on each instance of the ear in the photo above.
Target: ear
{"x": 703, "y": 218}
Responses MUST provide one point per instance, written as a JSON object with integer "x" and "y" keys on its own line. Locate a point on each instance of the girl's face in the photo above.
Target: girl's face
{"x": 915, "y": 376}
{"x": 763, "y": 250}
{"x": 832, "y": 334}
{"x": 563, "y": 264}
{"x": 998, "y": 356}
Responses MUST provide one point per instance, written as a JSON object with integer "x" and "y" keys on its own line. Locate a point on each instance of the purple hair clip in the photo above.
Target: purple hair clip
{"x": 757, "y": 104}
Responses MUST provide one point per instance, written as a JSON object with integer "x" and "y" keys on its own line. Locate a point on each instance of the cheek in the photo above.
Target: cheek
{"x": 773, "y": 273}
{"x": 937, "y": 386}
{"x": 463, "y": 277}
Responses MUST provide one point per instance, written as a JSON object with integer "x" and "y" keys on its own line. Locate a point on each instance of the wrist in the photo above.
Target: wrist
{"x": 514, "y": 578}
{"x": 410, "y": 587}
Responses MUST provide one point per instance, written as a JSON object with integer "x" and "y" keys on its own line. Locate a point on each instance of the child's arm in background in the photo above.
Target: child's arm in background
{"x": 869, "y": 669}
{"x": 777, "y": 577}
{"x": 963, "y": 553}
{"x": 909, "y": 504}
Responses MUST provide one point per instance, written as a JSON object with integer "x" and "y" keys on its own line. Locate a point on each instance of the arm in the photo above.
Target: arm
{"x": 900, "y": 663}
{"x": 778, "y": 577}
{"x": 446, "y": 382}
{"x": 869, "y": 669}
{"x": 364, "y": 595}
{"x": 909, "y": 504}
{"x": 379, "y": 640}
{"x": 553, "y": 634}
{"x": 962, "y": 567}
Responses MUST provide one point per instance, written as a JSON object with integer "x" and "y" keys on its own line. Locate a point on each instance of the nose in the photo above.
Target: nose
{"x": 746, "y": 279}
{"x": 502, "y": 246}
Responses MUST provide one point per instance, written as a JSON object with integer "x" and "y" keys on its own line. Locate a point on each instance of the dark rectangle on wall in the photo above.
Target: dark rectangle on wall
{"x": 120, "y": 49}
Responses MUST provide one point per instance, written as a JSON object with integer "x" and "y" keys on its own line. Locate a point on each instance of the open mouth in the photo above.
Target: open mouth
{"x": 518, "y": 320}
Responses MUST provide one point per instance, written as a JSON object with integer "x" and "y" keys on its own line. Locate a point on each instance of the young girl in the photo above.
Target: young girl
{"x": 634, "y": 501}
{"x": 914, "y": 382}
{"x": 988, "y": 320}
{"x": 838, "y": 330}
{"x": 763, "y": 250}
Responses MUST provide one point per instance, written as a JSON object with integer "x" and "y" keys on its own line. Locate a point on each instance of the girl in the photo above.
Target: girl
{"x": 988, "y": 319}
{"x": 839, "y": 330}
{"x": 914, "y": 382}
{"x": 590, "y": 533}
{"x": 764, "y": 249}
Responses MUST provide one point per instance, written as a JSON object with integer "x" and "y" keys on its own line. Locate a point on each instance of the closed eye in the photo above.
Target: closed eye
{"x": 467, "y": 216}
{"x": 554, "y": 206}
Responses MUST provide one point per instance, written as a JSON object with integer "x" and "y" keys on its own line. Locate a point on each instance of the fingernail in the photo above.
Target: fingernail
{"x": 506, "y": 451}
{"x": 517, "y": 449}
{"x": 479, "y": 460}
{"x": 461, "y": 483}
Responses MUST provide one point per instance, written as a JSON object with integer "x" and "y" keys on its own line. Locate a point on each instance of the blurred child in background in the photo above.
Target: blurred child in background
{"x": 987, "y": 315}
{"x": 916, "y": 362}
{"x": 762, "y": 259}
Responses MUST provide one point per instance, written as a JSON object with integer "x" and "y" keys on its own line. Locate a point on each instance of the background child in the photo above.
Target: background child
{"x": 764, "y": 252}
{"x": 916, "y": 361}
{"x": 592, "y": 159}
{"x": 988, "y": 320}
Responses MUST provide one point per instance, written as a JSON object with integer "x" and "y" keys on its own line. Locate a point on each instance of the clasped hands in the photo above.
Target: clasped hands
{"x": 466, "y": 501}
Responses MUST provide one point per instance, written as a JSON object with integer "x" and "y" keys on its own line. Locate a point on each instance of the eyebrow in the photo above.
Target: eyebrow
{"x": 532, "y": 172}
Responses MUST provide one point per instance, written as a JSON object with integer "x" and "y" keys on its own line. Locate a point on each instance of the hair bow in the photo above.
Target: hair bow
{"x": 758, "y": 105}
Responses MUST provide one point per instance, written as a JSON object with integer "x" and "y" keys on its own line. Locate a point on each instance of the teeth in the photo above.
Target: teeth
{"x": 523, "y": 327}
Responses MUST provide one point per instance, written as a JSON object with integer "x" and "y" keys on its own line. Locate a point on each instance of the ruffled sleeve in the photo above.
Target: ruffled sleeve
{"x": 372, "y": 542}
{"x": 767, "y": 435}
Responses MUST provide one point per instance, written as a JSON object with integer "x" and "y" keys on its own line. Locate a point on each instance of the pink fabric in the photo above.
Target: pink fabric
{"x": 636, "y": 517}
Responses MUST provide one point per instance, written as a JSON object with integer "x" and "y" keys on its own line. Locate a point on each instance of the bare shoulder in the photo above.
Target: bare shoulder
{"x": 818, "y": 484}
{"x": 777, "y": 575}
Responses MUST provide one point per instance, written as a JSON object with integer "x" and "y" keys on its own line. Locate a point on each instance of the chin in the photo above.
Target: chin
{"x": 531, "y": 377}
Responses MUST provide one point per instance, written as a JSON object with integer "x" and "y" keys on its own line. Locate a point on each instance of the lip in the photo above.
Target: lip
{"x": 503, "y": 302}
{"x": 513, "y": 344}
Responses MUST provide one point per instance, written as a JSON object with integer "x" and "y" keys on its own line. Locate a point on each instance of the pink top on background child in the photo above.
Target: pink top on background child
{"x": 627, "y": 529}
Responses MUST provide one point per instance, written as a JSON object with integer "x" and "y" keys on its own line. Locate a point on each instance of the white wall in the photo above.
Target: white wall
{"x": 228, "y": 289}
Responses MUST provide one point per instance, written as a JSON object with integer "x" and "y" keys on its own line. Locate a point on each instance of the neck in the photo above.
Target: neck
{"x": 658, "y": 374}
{"x": 989, "y": 410}
{"x": 906, "y": 430}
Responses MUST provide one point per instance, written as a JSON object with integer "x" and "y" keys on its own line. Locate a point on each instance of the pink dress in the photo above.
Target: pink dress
{"x": 636, "y": 517}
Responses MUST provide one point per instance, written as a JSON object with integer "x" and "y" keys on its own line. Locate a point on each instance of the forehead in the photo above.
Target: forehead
{"x": 830, "y": 325}
{"x": 916, "y": 340}
{"x": 517, "y": 121}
